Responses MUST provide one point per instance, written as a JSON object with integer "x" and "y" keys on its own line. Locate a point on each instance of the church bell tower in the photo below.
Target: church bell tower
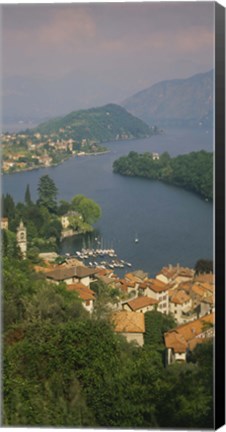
{"x": 21, "y": 237}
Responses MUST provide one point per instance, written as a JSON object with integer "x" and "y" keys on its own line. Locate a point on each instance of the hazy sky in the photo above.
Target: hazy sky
{"x": 89, "y": 54}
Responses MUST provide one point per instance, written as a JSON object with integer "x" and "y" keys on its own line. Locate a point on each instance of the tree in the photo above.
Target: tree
{"x": 8, "y": 209}
{"x": 203, "y": 266}
{"x": 27, "y": 197}
{"x": 47, "y": 191}
{"x": 156, "y": 325}
{"x": 89, "y": 210}
{"x": 63, "y": 208}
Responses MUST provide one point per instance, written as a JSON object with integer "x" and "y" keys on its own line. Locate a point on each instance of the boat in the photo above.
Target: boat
{"x": 136, "y": 239}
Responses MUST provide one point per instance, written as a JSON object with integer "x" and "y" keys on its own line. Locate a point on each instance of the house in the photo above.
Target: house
{"x": 4, "y": 223}
{"x": 85, "y": 294}
{"x": 159, "y": 291}
{"x": 72, "y": 275}
{"x": 129, "y": 286}
{"x": 205, "y": 277}
{"x": 130, "y": 277}
{"x": 184, "y": 338}
{"x": 140, "y": 304}
{"x": 155, "y": 156}
{"x": 65, "y": 218}
{"x": 131, "y": 325}
{"x": 207, "y": 305}
{"x": 175, "y": 274}
{"x": 202, "y": 295}
{"x": 180, "y": 303}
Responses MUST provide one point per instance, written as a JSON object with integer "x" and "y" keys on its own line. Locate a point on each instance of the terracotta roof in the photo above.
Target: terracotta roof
{"x": 179, "y": 297}
{"x": 208, "y": 300}
{"x": 103, "y": 272}
{"x": 206, "y": 277}
{"x": 198, "y": 290}
{"x": 179, "y": 338}
{"x": 186, "y": 286}
{"x": 157, "y": 285}
{"x": 207, "y": 286}
{"x": 66, "y": 273}
{"x": 128, "y": 322}
{"x": 173, "y": 271}
{"x": 131, "y": 277}
{"x": 143, "y": 285}
{"x": 140, "y": 302}
{"x": 175, "y": 341}
{"x": 83, "y": 291}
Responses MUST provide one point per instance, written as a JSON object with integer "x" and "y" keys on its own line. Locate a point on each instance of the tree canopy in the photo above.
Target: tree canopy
{"x": 193, "y": 171}
{"x": 47, "y": 191}
{"x": 89, "y": 210}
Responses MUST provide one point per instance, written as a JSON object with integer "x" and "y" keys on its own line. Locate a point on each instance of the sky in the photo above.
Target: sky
{"x": 61, "y": 57}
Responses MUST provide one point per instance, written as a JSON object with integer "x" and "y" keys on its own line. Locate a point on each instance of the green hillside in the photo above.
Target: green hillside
{"x": 108, "y": 123}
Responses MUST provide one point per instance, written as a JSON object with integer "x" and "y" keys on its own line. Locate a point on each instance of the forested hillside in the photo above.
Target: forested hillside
{"x": 65, "y": 368}
{"x": 108, "y": 123}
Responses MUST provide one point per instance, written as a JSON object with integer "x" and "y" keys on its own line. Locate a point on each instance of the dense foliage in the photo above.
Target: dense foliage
{"x": 42, "y": 218}
{"x": 63, "y": 367}
{"x": 203, "y": 266}
{"x": 107, "y": 123}
{"x": 193, "y": 171}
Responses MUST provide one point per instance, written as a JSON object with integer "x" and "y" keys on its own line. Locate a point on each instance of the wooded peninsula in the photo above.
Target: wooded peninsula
{"x": 193, "y": 171}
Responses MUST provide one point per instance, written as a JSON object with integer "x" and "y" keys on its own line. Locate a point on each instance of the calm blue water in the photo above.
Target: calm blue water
{"x": 173, "y": 225}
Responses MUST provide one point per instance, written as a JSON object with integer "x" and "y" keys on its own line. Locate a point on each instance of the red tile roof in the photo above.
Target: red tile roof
{"x": 206, "y": 277}
{"x": 141, "y": 302}
{"x": 183, "y": 334}
{"x": 157, "y": 285}
{"x": 179, "y": 297}
{"x": 83, "y": 291}
{"x": 128, "y": 322}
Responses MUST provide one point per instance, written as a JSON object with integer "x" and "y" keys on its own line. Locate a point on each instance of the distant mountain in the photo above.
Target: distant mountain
{"x": 107, "y": 123}
{"x": 178, "y": 102}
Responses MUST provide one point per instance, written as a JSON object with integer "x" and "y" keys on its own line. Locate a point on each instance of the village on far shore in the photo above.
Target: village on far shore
{"x": 177, "y": 291}
{"x": 26, "y": 151}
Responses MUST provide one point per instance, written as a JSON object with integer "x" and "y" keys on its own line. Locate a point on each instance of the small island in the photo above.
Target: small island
{"x": 193, "y": 171}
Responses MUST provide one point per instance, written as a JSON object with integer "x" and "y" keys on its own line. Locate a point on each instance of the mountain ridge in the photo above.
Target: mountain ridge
{"x": 176, "y": 102}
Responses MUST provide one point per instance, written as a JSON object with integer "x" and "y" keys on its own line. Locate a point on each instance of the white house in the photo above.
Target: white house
{"x": 72, "y": 275}
{"x": 130, "y": 324}
{"x": 159, "y": 291}
{"x": 175, "y": 274}
{"x": 85, "y": 294}
{"x": 185, "y": 337}
{"x": 179, "y": 303}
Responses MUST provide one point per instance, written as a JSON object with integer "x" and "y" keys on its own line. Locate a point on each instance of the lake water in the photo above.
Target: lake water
{"x": 173, "y": 225}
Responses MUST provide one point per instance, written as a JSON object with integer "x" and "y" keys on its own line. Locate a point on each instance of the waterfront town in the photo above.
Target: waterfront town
{"x": 26, "y": 151}
{"x": 176, "y": 291}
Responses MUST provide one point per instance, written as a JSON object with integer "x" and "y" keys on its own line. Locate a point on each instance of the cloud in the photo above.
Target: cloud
{"x": 127, "y": 45}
